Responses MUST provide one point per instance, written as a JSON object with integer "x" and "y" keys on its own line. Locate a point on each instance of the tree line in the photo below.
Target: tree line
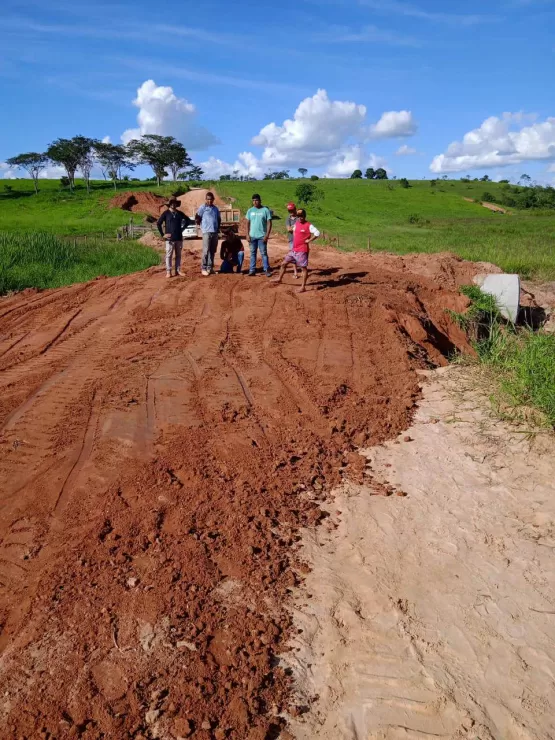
{"x": 370, "y": 174}
{"x": 164, "y": 154}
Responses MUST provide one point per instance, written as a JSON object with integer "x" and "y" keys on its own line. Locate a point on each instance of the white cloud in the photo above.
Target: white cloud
{"x": 352, "y": 158}
{"x": 499, "y": 142}
{"x": 319, "y": 128}
{"x": 8, "y": 172}
{"x": 323, "y": 134}
{"x": 405, "y": 151}
{"x": 393, "y": 124}
{"x": 51, "y": 172}
{"x": 162, "y": 112}
{"x": 245, "y": 164}
{"x": 106, "y": 140}
{"x": 551, "y": 168}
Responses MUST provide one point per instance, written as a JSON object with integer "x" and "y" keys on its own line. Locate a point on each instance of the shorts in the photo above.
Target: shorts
{"x": 299, "y": 258}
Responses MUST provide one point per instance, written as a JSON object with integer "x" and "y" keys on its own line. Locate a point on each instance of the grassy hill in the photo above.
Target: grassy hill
{"x": 421, "y": 218}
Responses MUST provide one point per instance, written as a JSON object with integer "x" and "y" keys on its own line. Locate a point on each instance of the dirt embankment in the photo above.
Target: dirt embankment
{"x": 162, "y": 443}
{"x": 489, "y": 206}
{"x": 152, "y": 204}
{"x": 139, "y": 202}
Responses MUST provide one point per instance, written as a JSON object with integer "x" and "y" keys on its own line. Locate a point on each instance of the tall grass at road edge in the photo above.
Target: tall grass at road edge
{"x": 41, "y": 260}
{"x": 520, "y": 360}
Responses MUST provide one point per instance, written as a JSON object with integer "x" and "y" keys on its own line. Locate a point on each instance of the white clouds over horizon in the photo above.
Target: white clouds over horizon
{"x": 393, "y": 124}
{"x": 351, "y": 158}
{"x": 322, "y": 134}
{"x": 162, "y": 112}
{"x": 512, "y": 139}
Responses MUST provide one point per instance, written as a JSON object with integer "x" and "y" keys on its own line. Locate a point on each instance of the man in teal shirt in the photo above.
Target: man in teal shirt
{"x": 260, "y": 228}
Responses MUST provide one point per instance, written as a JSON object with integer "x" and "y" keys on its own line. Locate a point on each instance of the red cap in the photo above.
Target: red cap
{"x": 291, "y": 207}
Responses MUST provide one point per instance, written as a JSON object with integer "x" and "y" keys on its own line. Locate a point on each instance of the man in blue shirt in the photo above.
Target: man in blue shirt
{"x": 208, "y": 216}
{"x": 260, "y": 228}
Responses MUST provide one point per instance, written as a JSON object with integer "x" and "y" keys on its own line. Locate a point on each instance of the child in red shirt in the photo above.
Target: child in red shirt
{"x": 303, "y": 235}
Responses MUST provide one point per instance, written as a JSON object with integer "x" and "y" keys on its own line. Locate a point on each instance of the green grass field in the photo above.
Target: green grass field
{"x": 41, "y": 260}
{"x": 418, "y": 219}
{"x": 520, "y": 362}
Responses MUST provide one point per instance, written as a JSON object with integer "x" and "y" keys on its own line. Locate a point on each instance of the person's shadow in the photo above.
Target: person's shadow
{"x": 346, "y": 278}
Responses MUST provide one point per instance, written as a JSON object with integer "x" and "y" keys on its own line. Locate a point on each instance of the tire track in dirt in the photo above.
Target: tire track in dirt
{"x": 161, "y": 454}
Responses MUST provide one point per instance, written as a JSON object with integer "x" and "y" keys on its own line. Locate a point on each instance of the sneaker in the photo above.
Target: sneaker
{"x": 212, "y": 272}
{"x": 179, "y": 273}
{"x": 205, "y": 273}
{"x": 252, "y": 274}
{"x": 168, "y": 275}
{"x": 268, "y": 273}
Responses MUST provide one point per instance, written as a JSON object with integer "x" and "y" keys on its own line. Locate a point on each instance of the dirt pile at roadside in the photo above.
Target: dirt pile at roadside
{"x": 162, "y": 443}
{"x": 139, "y": 202}
{"x": 152, "y": 204}
{"x": 194, "y": 199}
{"x": 152, "y": 239}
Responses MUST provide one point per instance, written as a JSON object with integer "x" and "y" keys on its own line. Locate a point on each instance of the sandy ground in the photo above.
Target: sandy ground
{"x": 431, "y": 614}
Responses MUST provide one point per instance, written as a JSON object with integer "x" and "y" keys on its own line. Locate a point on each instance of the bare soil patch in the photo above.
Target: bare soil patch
{"x": 161, "y": 446}
{"x": 489, "y": 206}
{"x": 431, "y": 608}
{"x": 139, "y": 202}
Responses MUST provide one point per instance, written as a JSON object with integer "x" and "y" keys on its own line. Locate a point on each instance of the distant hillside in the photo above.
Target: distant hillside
{"x": 421, "y": 218}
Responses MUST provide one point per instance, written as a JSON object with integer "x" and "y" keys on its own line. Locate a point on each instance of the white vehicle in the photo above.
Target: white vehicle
{"x": 190, "y": 232}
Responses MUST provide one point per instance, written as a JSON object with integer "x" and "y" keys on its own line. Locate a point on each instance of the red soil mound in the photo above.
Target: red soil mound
{"x": 162, "y": 442}
{"x": 194, "y": 199}
{"x": 139, "y": 202}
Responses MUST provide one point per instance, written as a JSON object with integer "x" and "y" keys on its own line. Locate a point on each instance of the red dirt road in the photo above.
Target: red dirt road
{"x": 161, "y": 444}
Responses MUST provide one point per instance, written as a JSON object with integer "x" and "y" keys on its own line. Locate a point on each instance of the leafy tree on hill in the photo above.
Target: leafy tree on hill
{"x": 306, "y": 193}
{"x": 381, "y": 174}
{"x": 525, "y": 178}
{"x": 113, "y": 158}
{"x": 314, "y": 177}
{"x": 277, "y": 175}
{"x": 303, "y": 171}
{"x": 485, "y": 178}
{"x": 357, "y": 175}
{"x": 86, "y": 159}
{"x": 404, "y": 182}
{"x": 178, "y": 158}
{"x": 32, "y": 162}
{"x": 370, "y": 173}
{"x": 195, "y": 173}
{"x": 71, "y": 154}
{"x": 160, "y": 153}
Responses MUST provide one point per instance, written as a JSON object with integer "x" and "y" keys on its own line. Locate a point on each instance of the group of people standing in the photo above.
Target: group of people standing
{"x": 301, "y": 234}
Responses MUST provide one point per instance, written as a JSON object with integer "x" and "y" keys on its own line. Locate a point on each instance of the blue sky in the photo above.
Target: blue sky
{"x": 361, "y": 82}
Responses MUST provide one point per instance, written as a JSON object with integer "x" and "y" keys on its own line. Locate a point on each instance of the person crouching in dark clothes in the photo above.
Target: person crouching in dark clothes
{"x": 232, "y": 252}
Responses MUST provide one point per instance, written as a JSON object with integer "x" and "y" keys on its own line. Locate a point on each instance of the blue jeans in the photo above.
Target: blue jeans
{"x": 228, "y": 265}
{"x": 255, "y": 245}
